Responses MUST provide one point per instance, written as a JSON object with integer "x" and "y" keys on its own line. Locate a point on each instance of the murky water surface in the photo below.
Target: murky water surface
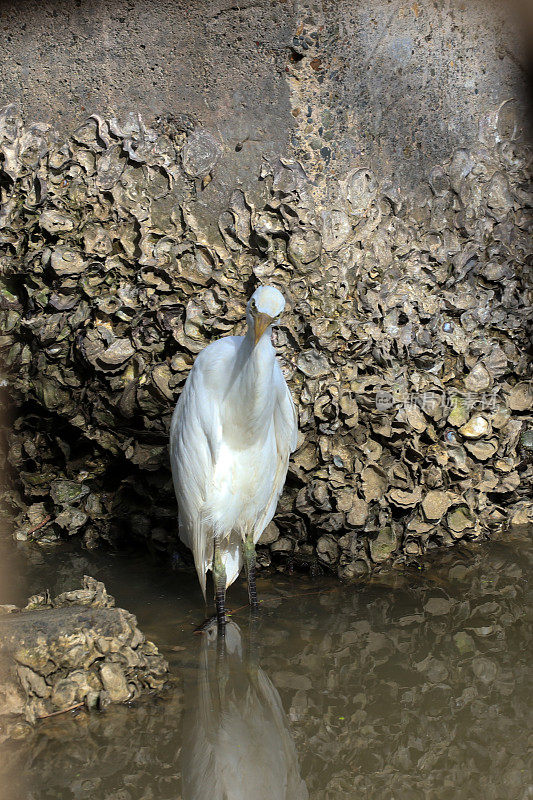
{"x": 412, "y": 686}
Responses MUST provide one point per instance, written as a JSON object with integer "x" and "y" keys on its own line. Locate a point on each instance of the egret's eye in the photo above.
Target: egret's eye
{"x": 252, "y": 304}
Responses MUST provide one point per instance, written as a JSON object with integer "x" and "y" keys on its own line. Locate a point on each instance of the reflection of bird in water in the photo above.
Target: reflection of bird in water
{"x": 232, "y": 432}
{"x": 240, "y": 746}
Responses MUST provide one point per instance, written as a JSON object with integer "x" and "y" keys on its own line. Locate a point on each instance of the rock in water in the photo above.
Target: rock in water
{"x": 74, "y": 649}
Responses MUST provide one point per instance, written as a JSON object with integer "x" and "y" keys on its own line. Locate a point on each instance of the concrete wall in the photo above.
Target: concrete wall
{"x": 406, "y": 82}
{"x": 388, "y": 83}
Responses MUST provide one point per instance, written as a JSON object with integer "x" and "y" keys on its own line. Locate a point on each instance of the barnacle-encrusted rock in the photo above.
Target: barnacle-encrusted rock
{"x": 76, "y": 648}
{"x": 404, "y": 343}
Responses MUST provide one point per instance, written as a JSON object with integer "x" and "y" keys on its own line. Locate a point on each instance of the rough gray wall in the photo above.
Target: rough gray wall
{"x": 401, "y": 84}
{"x": 390, "y": 84}
{"x": 222, "y": 63}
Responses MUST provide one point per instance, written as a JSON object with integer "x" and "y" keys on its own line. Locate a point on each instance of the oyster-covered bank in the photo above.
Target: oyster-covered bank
{"x": 405, "y": 342}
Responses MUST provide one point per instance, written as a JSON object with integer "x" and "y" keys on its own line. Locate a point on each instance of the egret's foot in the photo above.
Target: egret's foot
{"x": 208, "y": 623}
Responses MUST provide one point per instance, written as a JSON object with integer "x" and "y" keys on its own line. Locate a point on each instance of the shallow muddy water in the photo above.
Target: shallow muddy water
{"x": 411, "y": 686}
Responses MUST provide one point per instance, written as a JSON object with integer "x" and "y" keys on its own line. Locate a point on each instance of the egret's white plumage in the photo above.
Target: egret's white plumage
{"x": 231, "y": 435}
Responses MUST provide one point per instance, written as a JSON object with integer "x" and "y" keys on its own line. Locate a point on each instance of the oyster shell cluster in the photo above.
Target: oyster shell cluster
{"x": 56, "y": 655}
{"x": 405, "y": 343}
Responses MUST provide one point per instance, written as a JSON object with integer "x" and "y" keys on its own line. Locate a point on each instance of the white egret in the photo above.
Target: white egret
{"x": 232, "y": 432}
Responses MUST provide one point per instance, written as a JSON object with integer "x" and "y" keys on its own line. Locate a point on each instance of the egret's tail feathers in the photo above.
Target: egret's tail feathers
{"x": 201, "y": 569}
{"x": 202, "y": 548}
{"x": 196, "y": 540}
{"x": 232, "y": 557}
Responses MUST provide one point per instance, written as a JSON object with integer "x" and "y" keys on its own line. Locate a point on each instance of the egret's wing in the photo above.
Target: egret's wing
{"x": 286, "y": 433}
{"x": 285, "y": 419}
{"x": 195, "y": 438}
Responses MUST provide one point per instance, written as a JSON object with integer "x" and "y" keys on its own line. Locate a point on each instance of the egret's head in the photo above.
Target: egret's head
{"x": 264, "y": 309}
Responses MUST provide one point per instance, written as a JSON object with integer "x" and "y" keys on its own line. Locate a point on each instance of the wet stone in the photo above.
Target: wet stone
{"x": 71, "y": 650}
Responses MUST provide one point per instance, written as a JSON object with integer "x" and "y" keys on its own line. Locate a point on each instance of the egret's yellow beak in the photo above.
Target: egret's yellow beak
{"x": 262, "y": 321}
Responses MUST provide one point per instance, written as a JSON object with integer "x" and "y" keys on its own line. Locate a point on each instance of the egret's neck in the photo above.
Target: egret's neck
{"x": 256, "y": 375}
{"x": 252, "y": 390}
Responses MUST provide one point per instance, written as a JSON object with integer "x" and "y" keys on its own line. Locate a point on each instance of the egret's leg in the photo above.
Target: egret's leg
{"x": 219, "y": 574}
{"x": 249, "y": 563}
